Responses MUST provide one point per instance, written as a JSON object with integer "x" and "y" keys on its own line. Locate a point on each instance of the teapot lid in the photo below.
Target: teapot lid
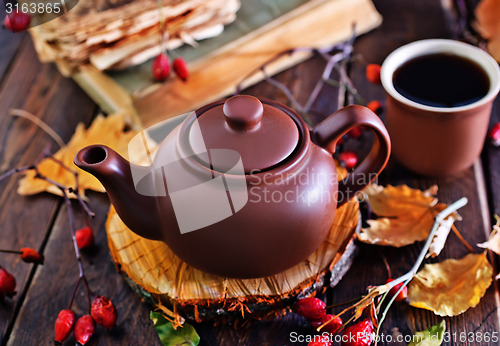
{"x": 262, "y": 134}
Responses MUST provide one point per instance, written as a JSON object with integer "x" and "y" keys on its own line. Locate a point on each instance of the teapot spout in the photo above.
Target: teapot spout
{"x": 138, "y": 211}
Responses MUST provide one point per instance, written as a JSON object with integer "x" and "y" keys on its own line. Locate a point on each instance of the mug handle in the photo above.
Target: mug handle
{"x": 329, "y": 131}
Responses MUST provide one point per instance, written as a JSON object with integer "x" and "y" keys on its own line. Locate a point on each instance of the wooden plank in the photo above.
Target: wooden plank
{"x": 53, "y": 285}
{"x": 10, "y": 43}
{"x": 402, "y": 24}
{"x": 491, "y": 162}
{"x": 301, "y": 80}
{"x": 46, "y": 297}
{"x": 26, "y": 221}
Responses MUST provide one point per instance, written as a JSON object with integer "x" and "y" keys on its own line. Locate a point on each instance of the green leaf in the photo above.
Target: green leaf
{"x": 185, "y": 335}
{"x": 430, "y": 337}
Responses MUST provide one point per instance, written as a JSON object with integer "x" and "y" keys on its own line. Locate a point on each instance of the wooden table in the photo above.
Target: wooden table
{"x": 41, "y": 221}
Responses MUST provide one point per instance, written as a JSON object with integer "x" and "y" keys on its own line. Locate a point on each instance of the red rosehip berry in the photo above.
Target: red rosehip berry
{"x": 64, "y": 325}
{"x": 104, "y": 312}
{"x": 310, "y": 308}
{"x": 359, "y": 334}
{"x": 84, "y": 237}
{"x": 373, "y": 73}
{"x": 402, "y": 295}
{"x": 84, "y": 329}
{"x": 348, "y": 159}
{"x": 320, "y": 341}
{"x": 494, "y": 135}
{"x": 30, "y": 255}
{"x": 17, "y": 21}
{"x": 355, "y": 132}
{"x": 161, "y": 67}
{"x": 375, "y": 106}
{"x": 180, "y": 68}
{"x": 331, "y": 327}
{"x": 7, "y": 283}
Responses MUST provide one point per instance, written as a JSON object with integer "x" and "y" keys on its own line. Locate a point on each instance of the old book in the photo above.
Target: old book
{"x": 104, "y": 33}
{"x": 261, "y": 30}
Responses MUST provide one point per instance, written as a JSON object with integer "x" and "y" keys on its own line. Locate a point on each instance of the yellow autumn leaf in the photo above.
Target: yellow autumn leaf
{"x": 341, "y": 171}
{"x": 487, "y": 13}
{"x": 405, "y": 215}
{"x": 108, "y": 130}
{"x": 451, "y": 287}
{"x": 493, "y": 242}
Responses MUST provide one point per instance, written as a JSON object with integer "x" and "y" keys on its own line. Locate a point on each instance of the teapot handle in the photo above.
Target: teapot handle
{"x": 329, "y": 131}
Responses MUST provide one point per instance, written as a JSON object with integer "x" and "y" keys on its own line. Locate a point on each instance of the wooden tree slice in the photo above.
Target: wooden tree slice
{"x": 165, "y": 280}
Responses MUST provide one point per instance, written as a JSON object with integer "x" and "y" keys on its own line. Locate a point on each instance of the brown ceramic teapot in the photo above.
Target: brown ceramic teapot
{"x": 242, "y": 187}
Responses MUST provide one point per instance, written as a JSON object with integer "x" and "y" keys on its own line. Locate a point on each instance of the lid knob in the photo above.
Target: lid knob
{"x": 243, "y": 112}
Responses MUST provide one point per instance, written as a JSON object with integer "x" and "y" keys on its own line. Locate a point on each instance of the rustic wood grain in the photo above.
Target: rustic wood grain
{"x": 26, "y": 221}
{"x": 491, "y": 164}
{"x": 38, "y": 88}
{"x": 396, "y": 30}
{"x": 9, "y": 43}
{"x": 53, "y": 285}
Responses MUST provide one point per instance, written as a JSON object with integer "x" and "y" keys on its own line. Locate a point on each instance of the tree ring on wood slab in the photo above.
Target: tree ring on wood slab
{"x": 164, "y": 280}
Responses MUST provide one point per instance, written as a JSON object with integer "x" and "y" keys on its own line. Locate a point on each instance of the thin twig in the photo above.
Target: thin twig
{"x": 74, "y": 293}
{"x": 64, "y": 191}
{"x": 285, "y": 90}
{"x": 405, "y": 279}
{"x": 39, "y": 175}
{"x": 73, "y": 230}
{"x": 239, "y": 86}
{"x": 75, "y": 244}
{"x": 38, "y": 122}
{"x": 342, "y": 303}
{"x": 11, "y": 251}
{"x": 342, "y": 53}
{"x": 14, "y": 171}
{"x": 76, "y": 189}
{"x": 386, "y": 264}
{"x": 342, "y": 89}
{"x": 332, "y": 60}
{"x": 461, "y": 238}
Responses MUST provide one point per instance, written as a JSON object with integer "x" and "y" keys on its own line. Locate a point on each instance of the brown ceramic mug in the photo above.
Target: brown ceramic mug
{"x": 435, "y": 140}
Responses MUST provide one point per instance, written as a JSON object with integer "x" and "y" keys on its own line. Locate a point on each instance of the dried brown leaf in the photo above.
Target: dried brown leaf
{"x": 108, "y": 130}
{"x": 365, "y": 301}
{"x": 406, "y": 215}
{"x": 493, "y": 243}
{"x": 488, "y": 24}
{"x": 441, "y": 235}
{"x": 451, "y": 287}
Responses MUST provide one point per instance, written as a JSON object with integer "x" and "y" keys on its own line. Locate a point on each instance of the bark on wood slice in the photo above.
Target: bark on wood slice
{"x": 159, "y": 275}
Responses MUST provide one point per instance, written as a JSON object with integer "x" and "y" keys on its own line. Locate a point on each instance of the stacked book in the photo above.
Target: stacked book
{"x": 114, "y": 34}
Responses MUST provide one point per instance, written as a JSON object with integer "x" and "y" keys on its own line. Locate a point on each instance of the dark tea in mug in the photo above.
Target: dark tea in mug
{"x": 439, "y": 98}
{"x": 441, "y": 80}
